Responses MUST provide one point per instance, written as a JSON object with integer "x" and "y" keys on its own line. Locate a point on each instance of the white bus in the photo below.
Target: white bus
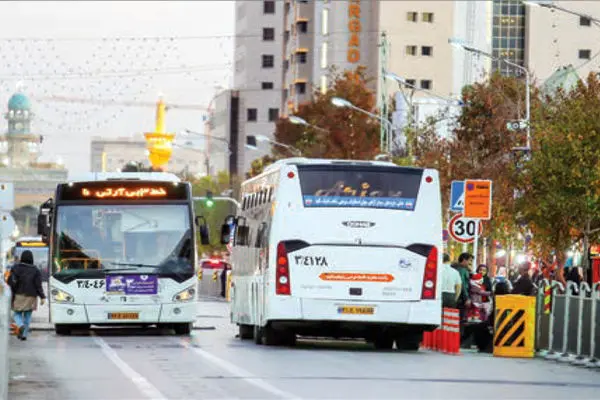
{"x": 122, "y": 252}
{"x": 337, "y": 249}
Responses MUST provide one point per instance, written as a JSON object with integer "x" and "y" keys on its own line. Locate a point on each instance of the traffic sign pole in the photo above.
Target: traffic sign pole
{"x": 475, "y": 249}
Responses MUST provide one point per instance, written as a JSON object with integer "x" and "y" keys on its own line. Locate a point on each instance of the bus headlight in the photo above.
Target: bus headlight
{"x": 60, "y": 296}
{"x": 186, "y": 295}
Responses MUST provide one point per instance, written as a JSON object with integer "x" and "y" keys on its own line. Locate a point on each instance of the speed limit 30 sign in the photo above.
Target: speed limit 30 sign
{"x": 463, "y": 229}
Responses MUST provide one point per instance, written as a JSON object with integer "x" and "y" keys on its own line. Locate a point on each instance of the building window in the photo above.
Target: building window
{"x": 301, "y": 57}
{"x": 325, "y": 21}
{"x": 301, "y": 88}
{"x": 286, "y": 65}
{"x": 267, "y": 85}
{"x": 286, "y": 36}
{"x": 411, "y": 82}
{"x": 269, "y": 7}
{"x": 411, "y": 50}
{"x": 412, "y": 16}
{"x": 268, "y": 34}
{"x": 268, "y": 61}
{"x": 585, "y": 54}
{"x": 273, "y": 114}
{"x": 584, "y": 21}
{"x": 428, "y": 17}
{"x": 252, "y": 114}
{"x": 323, "y": 84}
{"x": 324, "y": 55}
{"x": 302, "y": 26}
{"x": 426, "y": 84}
{"x": 426, "y": 50}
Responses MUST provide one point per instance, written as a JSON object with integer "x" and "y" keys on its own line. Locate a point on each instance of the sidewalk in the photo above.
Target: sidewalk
{"x": 211, "y": 307}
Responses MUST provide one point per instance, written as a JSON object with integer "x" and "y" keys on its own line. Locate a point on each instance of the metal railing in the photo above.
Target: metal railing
{"x": 5, "y": 319}
{"x": 569, "y": 332}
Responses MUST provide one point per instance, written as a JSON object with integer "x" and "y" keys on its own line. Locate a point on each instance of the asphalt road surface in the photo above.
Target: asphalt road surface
{"x": 213, "y": 364}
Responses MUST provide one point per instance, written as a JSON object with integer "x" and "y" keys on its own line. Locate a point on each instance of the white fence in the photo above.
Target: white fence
{"x": 569, "y": 333}
{"x": 5, "y": 318}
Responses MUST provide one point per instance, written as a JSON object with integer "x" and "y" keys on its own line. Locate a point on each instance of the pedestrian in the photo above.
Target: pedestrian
{"x": 226, "y": 267}
{"x": 451, "y": 284}
{"x": 26, "y": 284}
{"x": 523, "y": 285}
{"x": 464, "y": 267}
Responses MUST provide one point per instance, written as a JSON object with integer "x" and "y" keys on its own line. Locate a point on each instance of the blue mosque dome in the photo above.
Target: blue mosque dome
{"x": 19, "y": 102}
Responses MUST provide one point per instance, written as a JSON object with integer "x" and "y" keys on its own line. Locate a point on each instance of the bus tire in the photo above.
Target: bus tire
{"x": 62, "y": 329}
{"x": 257, "y": 334}
{"x": 245, "y": 331}
{"x": 184, "y": 329}
{"x": 270, "y": 337}
{"x": 409, "y": 342}
{"x": 383, "y": 342}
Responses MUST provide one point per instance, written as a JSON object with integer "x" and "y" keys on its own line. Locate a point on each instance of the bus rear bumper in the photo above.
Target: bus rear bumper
{"x": 146, "y": 314}
{"x": 427, "y": 312}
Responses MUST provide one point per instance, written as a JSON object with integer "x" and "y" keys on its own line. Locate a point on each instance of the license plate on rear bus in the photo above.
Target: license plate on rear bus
{"x": 356, "y": 310}
{"x": 123, "y": 315}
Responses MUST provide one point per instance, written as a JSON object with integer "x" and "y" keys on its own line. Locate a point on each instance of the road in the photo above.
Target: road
{"x": 213, "y": 364}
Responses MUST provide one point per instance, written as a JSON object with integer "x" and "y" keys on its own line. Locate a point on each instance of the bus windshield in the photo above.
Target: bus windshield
{"x": 156, "y": 239}
{"x": 359, "y": 186}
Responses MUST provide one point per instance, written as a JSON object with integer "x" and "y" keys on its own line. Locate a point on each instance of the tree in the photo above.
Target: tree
{"x": 562, "y": 180}
{"x": 259, "y": 164}
{"x": 351, "y": 134}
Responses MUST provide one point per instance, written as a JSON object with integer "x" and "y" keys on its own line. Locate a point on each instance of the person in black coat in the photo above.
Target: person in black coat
{"x": 26, "y": 284}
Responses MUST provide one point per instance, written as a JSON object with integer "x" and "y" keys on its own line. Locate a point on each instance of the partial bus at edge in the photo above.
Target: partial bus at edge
{"x": 122, "y": 252}
{"x": 339, "y": 249}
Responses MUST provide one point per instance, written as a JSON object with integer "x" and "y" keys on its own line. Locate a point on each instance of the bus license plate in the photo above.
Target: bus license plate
{"x": 356, "y": 310}
{"x": 123, "y": 315}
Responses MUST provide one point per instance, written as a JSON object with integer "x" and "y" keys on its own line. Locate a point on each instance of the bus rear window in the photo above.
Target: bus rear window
{"x": 359, "y": 186}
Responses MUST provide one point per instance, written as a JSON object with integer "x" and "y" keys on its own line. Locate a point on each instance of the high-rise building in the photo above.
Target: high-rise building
{"x": 322, "y": 34}
{"x": 221, "y": 128}
{"x": 258, "y": 71}
{"x": 556, "y": 39}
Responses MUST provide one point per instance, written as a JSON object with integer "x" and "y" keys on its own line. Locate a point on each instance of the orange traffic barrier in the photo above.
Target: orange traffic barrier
{"x": 451, "y": 331}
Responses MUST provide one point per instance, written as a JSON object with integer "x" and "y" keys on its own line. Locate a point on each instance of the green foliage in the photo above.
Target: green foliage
{"x": 562, "y": 180}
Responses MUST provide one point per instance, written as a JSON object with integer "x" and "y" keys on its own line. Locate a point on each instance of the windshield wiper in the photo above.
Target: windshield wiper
{"x": 134, "y": 265}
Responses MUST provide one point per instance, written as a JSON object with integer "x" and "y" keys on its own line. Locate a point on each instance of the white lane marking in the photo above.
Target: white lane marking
{"x": 149, "y": 390}
{"x": 240, "y": 372}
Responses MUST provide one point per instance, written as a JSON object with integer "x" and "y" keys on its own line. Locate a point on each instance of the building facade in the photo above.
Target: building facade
{"x": 258, "y": 72}
{"x": 111, "y": 154}
{"x": 223, "y": 134}
{"x": 319, "y": 35}
{"x": 555, "y": 39}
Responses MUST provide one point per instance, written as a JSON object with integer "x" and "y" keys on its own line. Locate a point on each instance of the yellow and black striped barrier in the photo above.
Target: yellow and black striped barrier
{"x": 215, "y": 276}
{"x": 200, "y": 274}
{"x": 228, "y": 287}
{"x": 514, "y": 326}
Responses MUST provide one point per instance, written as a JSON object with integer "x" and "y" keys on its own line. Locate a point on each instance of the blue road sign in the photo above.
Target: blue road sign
{"x": 457, "y": 196}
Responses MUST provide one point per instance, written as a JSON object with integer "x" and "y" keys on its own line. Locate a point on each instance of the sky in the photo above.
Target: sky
{"x": 120, "y": 54}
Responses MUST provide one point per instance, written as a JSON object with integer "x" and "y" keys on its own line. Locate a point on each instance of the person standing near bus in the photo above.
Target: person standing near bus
{"x": 26, "y": 284}
{"x": 451, "y": 284}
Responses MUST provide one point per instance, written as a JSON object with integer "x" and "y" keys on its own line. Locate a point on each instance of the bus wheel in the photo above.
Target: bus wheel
{"x": 183, "y": 329}
{"x": 257, "y": 334}
{"x": 62, "y": 330}
{"x": 409, "y": 342}
{"x": 270, "y": 336}
{"x": 245, "y": 331}
{"x": 383, "y": 342}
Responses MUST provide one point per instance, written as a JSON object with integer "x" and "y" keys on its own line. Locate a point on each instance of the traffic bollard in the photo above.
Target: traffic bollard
{"x": 584, "y": 289}
{"x": 551, "y": 354}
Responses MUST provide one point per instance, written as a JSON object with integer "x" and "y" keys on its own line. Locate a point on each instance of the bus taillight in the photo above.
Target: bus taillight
{"x": 430, "y": 275}
{"x": 282, "y": 274}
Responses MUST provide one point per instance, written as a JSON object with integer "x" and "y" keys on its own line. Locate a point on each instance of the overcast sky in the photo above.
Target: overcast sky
{"x": 63, "y": 55}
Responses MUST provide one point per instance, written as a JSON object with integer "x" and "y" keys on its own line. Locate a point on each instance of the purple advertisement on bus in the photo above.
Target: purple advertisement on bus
{"x": 132, "y": 284}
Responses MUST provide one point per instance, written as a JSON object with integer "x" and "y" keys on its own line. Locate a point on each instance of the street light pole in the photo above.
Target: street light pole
{"x": 252, "y": 139}
{"x": 339, "y": 102}
{"x": 207, "y": 153}
{"x": 474, "y": 50}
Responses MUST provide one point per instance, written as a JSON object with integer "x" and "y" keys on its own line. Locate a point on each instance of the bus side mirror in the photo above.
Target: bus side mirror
{"x": 203, "y": 230}
{"x": 43, "y": 228}
{"x": 225, "y": 233}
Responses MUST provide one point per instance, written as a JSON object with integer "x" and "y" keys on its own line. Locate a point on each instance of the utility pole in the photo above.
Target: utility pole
{"x": 385, "y": 142}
